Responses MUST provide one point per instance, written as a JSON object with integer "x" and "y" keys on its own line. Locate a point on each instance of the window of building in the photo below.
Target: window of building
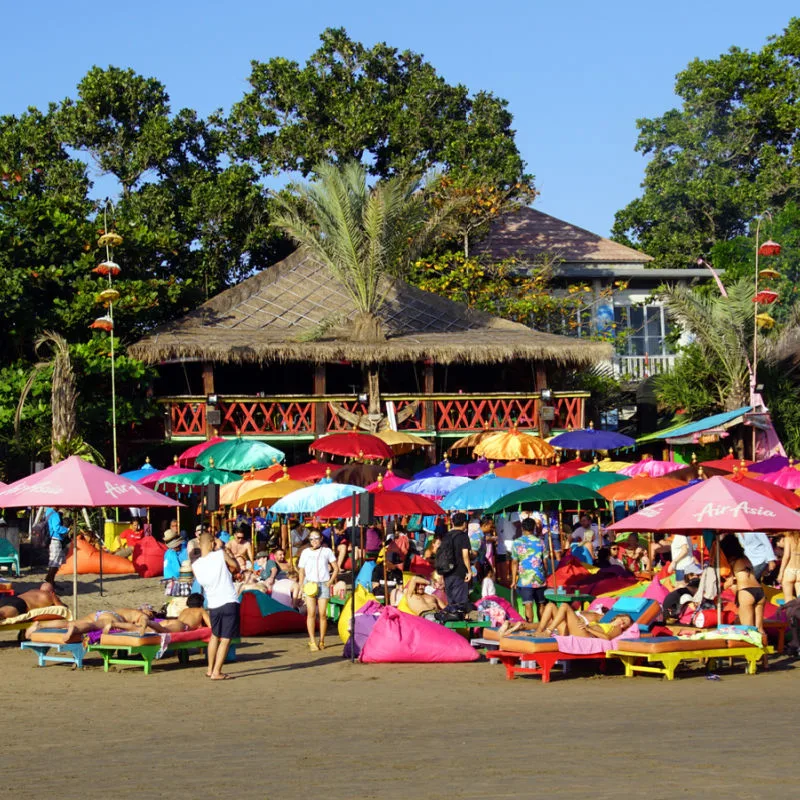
{"x": 648, "y": 328}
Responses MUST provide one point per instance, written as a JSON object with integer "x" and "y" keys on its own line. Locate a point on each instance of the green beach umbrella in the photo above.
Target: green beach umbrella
{"x": 212, "y": 475}
{"x": 240, "y": 454}
{"x": 548, "y": 494}
{"x": 596, "y": 480}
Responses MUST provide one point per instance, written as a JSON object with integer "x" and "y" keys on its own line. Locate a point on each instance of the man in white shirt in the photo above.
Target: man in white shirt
{"x": 682, "y": 558}
{"x": 589, "y": 534}
{"x": 214, "y": 570}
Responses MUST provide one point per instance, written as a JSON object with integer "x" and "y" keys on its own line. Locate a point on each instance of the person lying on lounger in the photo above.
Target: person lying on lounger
{"x": 42, "y": 597}
{"x": 564, "y": 621}
{"x": 192, "y": 617}
{"x": 124, "y": 619}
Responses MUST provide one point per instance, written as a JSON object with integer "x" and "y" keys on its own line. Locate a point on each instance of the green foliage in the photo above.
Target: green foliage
{"x": 690, "y": 386}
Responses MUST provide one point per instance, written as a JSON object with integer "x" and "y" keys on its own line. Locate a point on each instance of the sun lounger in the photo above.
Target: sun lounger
{"x": 532, "y": 656}
{"x": 43, "y": 641}
{"x": 23, "y": 621}
{"x": 670, "y": 652}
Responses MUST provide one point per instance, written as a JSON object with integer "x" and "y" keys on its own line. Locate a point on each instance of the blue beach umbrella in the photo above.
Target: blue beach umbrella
{"x": 436, "y": 471}
{"x": 437, "y": 486}
{"x": 591, "y": 439}
{"x": 137, "y": 474}
{"x": 480, "y": 494}
{"x": 313, "y": 498}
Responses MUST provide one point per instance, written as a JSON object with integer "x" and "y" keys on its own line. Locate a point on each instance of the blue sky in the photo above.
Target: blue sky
{"x": 577, "y": 75}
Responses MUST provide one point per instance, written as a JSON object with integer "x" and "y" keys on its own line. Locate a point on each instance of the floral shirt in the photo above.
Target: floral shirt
{"x": 528, "y": 551}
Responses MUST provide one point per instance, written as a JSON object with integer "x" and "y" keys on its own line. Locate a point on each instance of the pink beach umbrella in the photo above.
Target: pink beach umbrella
{"x": 188, "y": 457}
{"x": 389, "y": 482}
{"x": 786, "y": 478}
{"x": 153, "y": 478}
{"x": 650, "y": 467}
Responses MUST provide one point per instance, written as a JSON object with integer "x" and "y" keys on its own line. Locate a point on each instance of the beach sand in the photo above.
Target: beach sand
{"x": 296, "y": 724}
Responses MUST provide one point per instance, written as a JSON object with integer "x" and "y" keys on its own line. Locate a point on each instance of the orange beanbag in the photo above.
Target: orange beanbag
{"x": 89, "y": 562}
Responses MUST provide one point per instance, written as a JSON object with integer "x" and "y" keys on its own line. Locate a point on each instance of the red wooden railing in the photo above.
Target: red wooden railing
{"x": 308, "y": 416}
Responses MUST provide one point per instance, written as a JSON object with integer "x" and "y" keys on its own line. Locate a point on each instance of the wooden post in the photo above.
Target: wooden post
{"x": 428, "y": 414}
{"x": 208, "y": 388}
{"x": 320, "y": 410}
{"x": 541, "y": 383}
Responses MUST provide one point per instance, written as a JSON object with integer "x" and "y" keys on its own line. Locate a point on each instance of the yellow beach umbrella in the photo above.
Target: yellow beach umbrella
{"x": 231, "y": 492}
{"x": 265, "y": 495}
{"x": 513, "y": 445}
{"x": 607, "y": 465}
{"x": 402, "y": 442}
{"x": 468, "y": 442}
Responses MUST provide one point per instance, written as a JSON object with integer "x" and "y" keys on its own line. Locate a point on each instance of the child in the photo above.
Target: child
{"x": 487, "y": 586}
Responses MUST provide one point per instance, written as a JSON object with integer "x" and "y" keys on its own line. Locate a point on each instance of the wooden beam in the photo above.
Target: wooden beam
{"x": 541, "y": 383}
{"x": 208, "y": 388}
{"x": 320, "y": 410}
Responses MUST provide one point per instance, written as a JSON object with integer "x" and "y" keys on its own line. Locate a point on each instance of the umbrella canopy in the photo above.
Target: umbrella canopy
{"x": 266, "y": 493}
{"x": 640, "y": 488}
{"x": 310, "y": 471}
{"x": 606, "y": 465}
{"x": 554, "y": 474}
{"x": 695, "y": 472}
{"x": 727, "y": 464}
{"x": 591, "y": 439}
{"x": 76, "y": 483}
{"x": 434, "y": 487}
{"x": 437, "y": 470}
{"x": 511, "y": 445}
{"x": 771, "y": 464}
{"x": 387, "y": 504}
{"x": 137, "y": 474}
{"x": 656, "y": 498}
{"x": 402, "y": 442}
{"x": 477, "y": 495}
{"x": 358, "y": 474}
{"x": 514, "y": 469}
{"x": 231, "y": 492}
{"x": 312, "y": 498}
{"x": 203, "y": 478}
{"x": 771, "y": 490}
{"x": 472, "y": 470}
{"x": 188, "y": 457}
{"x": 352, "y": 445}
{"x": 272, "y": 473}
{"x": 543, "y": 494}
{"x": 152, "y": 478}
{"x": 239, "y": 455}
{"x": 596, "y": 480}
{"x": 787, "y": 478}
{"x": 387, "y": 483}
{"x": 650, "y": 467}
{"x": 716, "y": 504}
{"x": 469, "y": 442}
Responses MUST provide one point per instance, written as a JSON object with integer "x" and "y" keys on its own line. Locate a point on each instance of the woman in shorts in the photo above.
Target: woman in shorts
{"x": 318, "y": 571}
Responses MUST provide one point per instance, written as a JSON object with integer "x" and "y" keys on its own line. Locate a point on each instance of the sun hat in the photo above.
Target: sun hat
{"x": 172, "y": 539}
{"x": 311, "y": 589}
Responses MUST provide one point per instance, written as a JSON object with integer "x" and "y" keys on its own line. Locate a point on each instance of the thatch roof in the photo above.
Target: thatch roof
{"x": 528, "y": 233}
{"x": 267, "y": 317}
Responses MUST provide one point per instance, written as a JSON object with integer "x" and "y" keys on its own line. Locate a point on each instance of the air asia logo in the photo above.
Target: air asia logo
{"x": 713, "y": 510}
{"x": 652, "y": 511}
{"x": 119, "y": 489}
{"x": 43, "y": 487}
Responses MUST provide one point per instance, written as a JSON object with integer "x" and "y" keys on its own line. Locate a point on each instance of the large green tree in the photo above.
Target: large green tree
{"x": 728, "y": 153}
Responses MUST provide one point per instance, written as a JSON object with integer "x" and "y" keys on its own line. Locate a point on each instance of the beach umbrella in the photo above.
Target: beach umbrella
{"x": 651, "y": 467}
{"x": 309, "y": 471}
{"x": 606, "y": 465}
{"x": 787, "y": 478}
{"x": 469, "y": 442}
{"x": 554, "y": 474}
{"x": 771, "y": 464}
{"x": 514, "y": 469}
{"x": 437, "y": 470}
{"x": 434, "y": 487}
{"x": 387, "y": 504}
{"x": 696, "y": 472}
{"x": 137, "y": 474}
{"x": 715, "y": 504}
{"x": 272, "y": 473}
{"x": 595, "y": 480}
{"x": 352, "y": 445}
{"x": 358, "y": 474}
{"x": 480, "y": 494}
{"x": 727, "y": 464}
{"x": 240, "y": 454}
{"x": 511, "y": 445}
{"x": 75, "y": 483}
{"x": 771, "y": 490}
{"x": 152, "y": 478}
{"x": 231, "y": 492}
{"x": 474, "y": 469}
{"x": 202, "y": 478}
{"x": 548, "y": 494}
{"x": 656, "y": 498}
{"x": 312, "y": 498}
{"x": 266, "y": 493}
{"x": 188, "y": 457}
{"x": 591, "y": 439}
{"x": 386, "y": 483}
{"x": 402, "y": 442}
{"x": 639, "y": 488}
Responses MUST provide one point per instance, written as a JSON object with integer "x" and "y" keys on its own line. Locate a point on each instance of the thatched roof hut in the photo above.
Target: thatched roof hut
{"x": 296, "y": 311}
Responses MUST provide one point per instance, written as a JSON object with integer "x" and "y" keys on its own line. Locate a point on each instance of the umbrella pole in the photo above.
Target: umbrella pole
{"x": 552, "y": 559}
{"x": 253, "y": 535}
{"x": 385, "y": 578}
{"x": 74, "y": 567}
{"x": 289, "y": 540}
{"x": 100, "y": 542}
{"x": 719, "y": 587}
{"x": 353, "y": 591}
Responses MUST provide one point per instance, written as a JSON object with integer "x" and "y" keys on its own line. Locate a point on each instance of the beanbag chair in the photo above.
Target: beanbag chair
{"x": 148, "y": 557}
{"x": 570, "y": 572}
{"x": 89, "y": 562}
{"x": 399, "y": 638}
{"x": 363, "y": 623}
{"x": 260, "y": 615}
{"x": 282, "y": 591}
{"x": 656, "y": 591}
{"x": 343, "y": 626}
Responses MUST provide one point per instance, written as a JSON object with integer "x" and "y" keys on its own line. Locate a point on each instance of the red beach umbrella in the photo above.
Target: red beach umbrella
{"x": 187, "y": 457}
{"x": 387, "y": 504}
{"x": 353, "y": 445}
{"x": 774, "y": 492}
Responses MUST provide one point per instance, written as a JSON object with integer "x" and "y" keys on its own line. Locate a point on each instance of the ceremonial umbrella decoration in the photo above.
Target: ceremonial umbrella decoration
{"x": 554, "y": 474}
{"x": 606, "y": 465}
{"x": 480, "y": 494}
{"x": 697, "y": 472}
{"x": 357, "y": 474}
{"x": 202, "y": 478}
{"x": 402, "y": 442}
{"x": 542, "y": 494}
{"x": 771, "y": 464}
{"x": 514, "y": 469}
{"x": 474, "y": 469}
{"x": 352, "y": 445}
{"x": 436, "y": 471}
{"x": 387, "y": 504}
{"x": 596, "y": 480}
{"x": 230, "y": 493}
{"x": 434, "y": 487}
{"x": 266, "y": 494}
{"x": 386, "y": 483}
{"x": 591, "y": 439}
{"x": 188, "y": 457}
{"x": 312, "y": 498}
{"x": 137, "y": 474}
{"x": 469, "y": 442}
{"x": 787, "y": 478}
{"x": 651, "y": 467}
{"x": 640, "y": 488}
{"x": 728, "y": 463}
{"x": 310, "y": 471}
{"x": 785, "y": 496}
{"x": 75, "y": 483}
{"x": 240, "y": 454}
{"x": 271, "y": 473}
{"x": 513, "y": 445}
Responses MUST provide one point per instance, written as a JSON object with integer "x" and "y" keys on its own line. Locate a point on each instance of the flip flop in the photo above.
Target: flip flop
{"x": 224, "y": 677}
{"x": 312, "y": 646}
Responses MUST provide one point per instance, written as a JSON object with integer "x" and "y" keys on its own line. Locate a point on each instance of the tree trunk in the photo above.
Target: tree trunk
{"x": 374, "y": 391}
{"x": 367, "y": 328}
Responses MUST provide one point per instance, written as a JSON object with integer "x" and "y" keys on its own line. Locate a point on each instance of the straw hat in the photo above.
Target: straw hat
{"x": 172, "y": 539}
{"x": 186, "y": 571}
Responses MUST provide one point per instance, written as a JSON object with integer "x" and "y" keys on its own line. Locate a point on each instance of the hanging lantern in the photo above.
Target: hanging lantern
{"x": 107, "y": 296}
{"x": 766, "y": 297}
{"x": 765, "y": 321}
{"x": 104, "y": 323}
{"x": 108, "y": 268}
{"x": 769, "y": 273}
{"x": 769, "y": 248}
{"x": 110, "y": 239}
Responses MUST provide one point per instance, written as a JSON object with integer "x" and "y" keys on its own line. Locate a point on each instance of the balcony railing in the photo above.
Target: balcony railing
{"x": 445, "y": 414}
{"x": 637, "y": 368}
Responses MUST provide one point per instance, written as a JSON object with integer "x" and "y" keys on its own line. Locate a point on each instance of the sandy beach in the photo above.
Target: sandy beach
{"x": 298, "y": 724}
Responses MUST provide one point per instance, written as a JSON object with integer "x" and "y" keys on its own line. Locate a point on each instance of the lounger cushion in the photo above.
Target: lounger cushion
{"x": 130, "y": 639}
{"x": 49, "y": 612}
{"x": 197, "y": 635}
{"x": 516, "y": 643}
{"x": 55, "y": 636}
{"x": 667, "y": 644}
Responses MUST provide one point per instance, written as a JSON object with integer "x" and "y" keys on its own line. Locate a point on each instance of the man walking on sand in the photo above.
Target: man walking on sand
{"x": 213, "y": 571}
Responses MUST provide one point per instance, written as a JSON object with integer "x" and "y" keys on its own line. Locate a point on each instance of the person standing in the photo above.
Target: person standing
{"x": 758, "y": 548}
{"x": 682, "y": 557}
{"x": 456, "y": 546}
{"x": 528, "y": 567}
{"x": 58, "y": 536}
{"x": 213, "y": 571}
{"x": 318, "y": 571}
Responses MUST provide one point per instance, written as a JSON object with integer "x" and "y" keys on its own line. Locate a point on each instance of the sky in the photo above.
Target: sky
{"x": 577, "y": 74}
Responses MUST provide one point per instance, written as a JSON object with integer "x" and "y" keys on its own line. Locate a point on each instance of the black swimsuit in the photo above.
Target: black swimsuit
{"x": 756, "y": 591}
{"x": 16, "y": 603}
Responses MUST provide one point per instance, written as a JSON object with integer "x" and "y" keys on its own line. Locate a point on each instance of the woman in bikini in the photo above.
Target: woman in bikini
{"x": 124, "y": 619}
{"x": 789, "y": 574}
{"x": 750, "y": 598}
{"x": 564, "y": 621}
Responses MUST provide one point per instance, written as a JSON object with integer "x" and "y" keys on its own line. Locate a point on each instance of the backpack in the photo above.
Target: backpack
{"x": 446, "y": 555}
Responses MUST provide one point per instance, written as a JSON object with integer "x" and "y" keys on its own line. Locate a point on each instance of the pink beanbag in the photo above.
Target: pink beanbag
{"x": 403, "y": 638}
{"x": 656, "y": 591}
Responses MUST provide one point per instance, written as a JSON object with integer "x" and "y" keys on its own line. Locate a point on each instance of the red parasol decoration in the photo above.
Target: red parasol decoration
{"x": 310, "y": 471}
{"x": 769, "y": 248}
{"x": 785, "y": 496}
{"x": 766, "y": 297}
{"x": 728, "y": 463}
{"x": 151, "y": 479}
{"x": 353, "y": 445}
{"x": 387, "y": 504}
{"x": 104, "y": 323}
{"x": 108, "y": 268}
{"x": 187, "y": 457}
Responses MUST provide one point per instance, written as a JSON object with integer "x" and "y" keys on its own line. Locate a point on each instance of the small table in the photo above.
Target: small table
{"x": 560, "y": 599}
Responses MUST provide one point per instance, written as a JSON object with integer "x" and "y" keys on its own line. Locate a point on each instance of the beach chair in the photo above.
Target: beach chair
{"x": 24, "y": 621}
{"x": 43, "y": 641}
{"x": 9, "y": 556}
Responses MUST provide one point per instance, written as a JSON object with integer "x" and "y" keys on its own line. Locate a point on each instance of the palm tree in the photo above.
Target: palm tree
{"x": 363, "y": 235}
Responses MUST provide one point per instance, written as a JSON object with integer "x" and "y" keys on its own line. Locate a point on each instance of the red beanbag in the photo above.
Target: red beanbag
{"x": 399, "y": 638}
{"x": 148, "y": 557}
